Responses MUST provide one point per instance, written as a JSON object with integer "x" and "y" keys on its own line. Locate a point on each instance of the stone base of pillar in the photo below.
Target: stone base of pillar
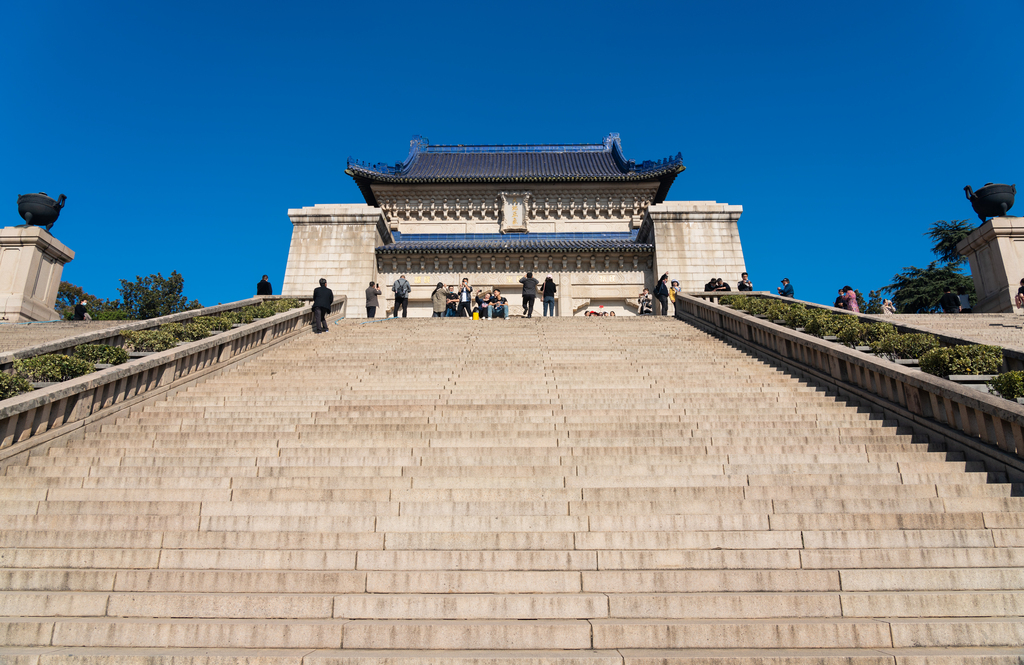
{"x": 996, "y": 254}
{"x": 31, "y": 264}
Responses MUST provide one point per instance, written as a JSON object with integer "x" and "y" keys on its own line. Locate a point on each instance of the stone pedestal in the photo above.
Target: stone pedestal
{"x": 31, "y": 264}
{"x": 996, "y": 254}
{"x": 337, "y": 242}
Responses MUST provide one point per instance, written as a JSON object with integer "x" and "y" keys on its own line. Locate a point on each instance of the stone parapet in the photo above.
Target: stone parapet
{"x": 697, "y": 240}
{"x": 335, "y": 242}
{"x": 995, "y": 251}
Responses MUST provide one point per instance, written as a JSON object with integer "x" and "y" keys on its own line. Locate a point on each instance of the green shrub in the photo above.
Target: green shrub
{"x": 866, "y": 333}
{"x": 148, "y": 340}
{"x": 52, "y": 367}
{"x": 851, "y": 335}
{"x": 12, "y": 385}
{"x": 286, "y": 304}
{"x": 217, "y": 322}
{"x": 186, "y": 332}
{"x": 111, "y": 315}
{"x": 776, "y": 309}
{"x": 732, "y": 301}
{"x": 823, "y": 323}
{"x": 796, "y": 316}
{"x": 965, "y": 359}
{"x": 875, "y": 332}
{"x": 1009, "y": 385}
{"x": 263, "y": 310}
{"x": 242, "y": 316}
{"x": 101, "y": 353}
{"x": 910, "y": 346}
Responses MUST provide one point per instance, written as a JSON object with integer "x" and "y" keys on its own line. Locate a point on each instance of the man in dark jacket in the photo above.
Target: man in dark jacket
{"x": 661, "y": 293}
{"x": 529, "y": 293}
{"x": 323, "y": 298}
{"x": 80, "y": 313}
{"x": 263, "y": 287}
{"x": 949, "y": 303}
{"x": 372, "y": 291}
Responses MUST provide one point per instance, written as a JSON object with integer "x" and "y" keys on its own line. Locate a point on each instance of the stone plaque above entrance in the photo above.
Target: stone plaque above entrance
{"x": 513, "y": 211}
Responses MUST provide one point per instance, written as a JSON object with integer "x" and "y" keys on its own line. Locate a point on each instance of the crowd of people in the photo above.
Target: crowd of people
{"x": 463, "y": 301}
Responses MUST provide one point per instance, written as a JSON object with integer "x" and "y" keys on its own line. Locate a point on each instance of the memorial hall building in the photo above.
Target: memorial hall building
{"x": 600, "y": 224}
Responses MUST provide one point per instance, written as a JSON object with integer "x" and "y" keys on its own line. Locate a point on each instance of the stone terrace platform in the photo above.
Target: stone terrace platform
{"x": 1005, "y": 330}
{"x": 14, "y": 336}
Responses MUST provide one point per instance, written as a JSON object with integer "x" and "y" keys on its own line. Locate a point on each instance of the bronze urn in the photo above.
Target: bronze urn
{"x": 992, "y": 200}
{"x": 39, "y": 209}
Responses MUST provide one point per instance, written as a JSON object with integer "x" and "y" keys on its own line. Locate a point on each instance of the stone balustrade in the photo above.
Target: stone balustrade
{"x": 112, "y": 335}
{"x": 988, "y": 426}
{"x": 34, "y": 418}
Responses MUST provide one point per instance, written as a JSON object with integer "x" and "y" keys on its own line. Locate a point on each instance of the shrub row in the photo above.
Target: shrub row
{"x": 54, "y": 367}
{"x": 881, "y": 337}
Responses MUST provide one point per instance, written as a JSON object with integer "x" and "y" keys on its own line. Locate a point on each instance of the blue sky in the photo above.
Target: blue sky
{"x": 182, "y": 132}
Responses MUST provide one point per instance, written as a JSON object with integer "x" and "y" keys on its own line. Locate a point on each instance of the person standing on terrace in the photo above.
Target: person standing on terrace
{"x": 786, "y": 290}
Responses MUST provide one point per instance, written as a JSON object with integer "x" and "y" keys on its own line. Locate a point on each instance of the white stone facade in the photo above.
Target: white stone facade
{"x": 693, "y": 241}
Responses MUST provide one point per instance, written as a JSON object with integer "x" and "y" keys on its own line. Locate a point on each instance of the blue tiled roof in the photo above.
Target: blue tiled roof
{"x": 498, "y": 244}
{"x": 576, "y": 162}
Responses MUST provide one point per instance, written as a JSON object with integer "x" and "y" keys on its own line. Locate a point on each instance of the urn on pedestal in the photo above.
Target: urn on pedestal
{"x": 32, "y": 261}
{"x": 992, "y": 200}
{"x": 39, "y": 209}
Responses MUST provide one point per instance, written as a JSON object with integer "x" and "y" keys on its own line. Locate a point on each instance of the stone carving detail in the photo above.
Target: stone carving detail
{"x": 595, "y": 202}
{"x": 515, "y": 208}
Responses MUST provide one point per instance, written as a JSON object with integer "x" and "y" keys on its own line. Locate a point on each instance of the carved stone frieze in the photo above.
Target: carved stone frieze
{"x": 584, "y": 201}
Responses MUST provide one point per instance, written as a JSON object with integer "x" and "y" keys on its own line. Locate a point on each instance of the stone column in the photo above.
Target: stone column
{"x": 695, "y": 241}
{"x": 995, "y": 251}
{"x": 31, "y": 264}
{"x": 337, "y": 243}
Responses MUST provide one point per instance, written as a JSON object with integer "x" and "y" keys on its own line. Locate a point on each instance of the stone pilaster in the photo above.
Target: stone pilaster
{"x": 995, "y": 251}
{"x": 336, "y": 242}
{"x": 695, "y": 241}
{"x": 31, "y": 264}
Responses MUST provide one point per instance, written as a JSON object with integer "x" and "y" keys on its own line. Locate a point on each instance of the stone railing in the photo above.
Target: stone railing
{"x": 1013, "y": 358}
{"x": 34, "y": 418}
{"x": 988, "y": 425}
{"x": 112, "y": 335}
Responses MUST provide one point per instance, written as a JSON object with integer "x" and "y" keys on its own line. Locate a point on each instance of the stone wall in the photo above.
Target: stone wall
{"x": 697, "y": 240}
{"x": 335, "y": 242}
{"x": 693, "y": 242}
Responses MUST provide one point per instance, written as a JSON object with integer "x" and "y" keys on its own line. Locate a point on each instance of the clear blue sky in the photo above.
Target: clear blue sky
{"x": 182, "y": 132}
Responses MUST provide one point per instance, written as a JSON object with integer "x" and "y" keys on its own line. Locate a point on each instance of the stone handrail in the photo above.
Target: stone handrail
{"x": 989, "y": 425}
{"x": 28, "y": 419}
{"x": 112, "y": 335}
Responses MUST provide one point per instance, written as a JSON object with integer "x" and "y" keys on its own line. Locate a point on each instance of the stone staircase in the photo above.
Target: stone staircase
{"x": 624, "y": 490}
